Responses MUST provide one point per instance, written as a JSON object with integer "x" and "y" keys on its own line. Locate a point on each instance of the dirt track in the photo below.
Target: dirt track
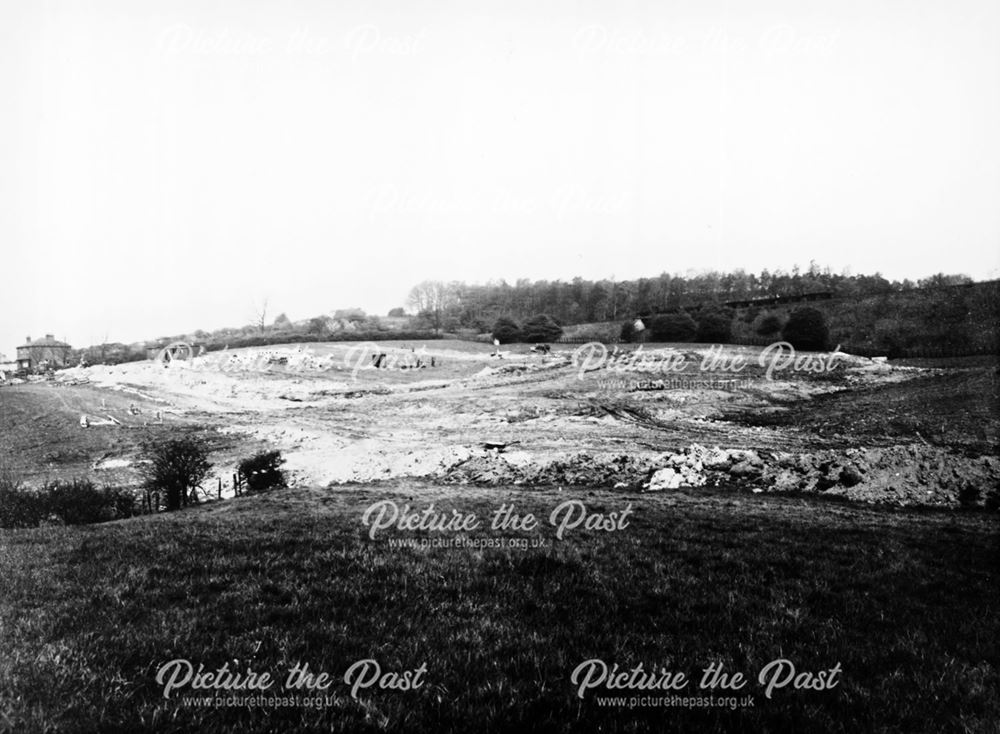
{"x": 528, "y": 419}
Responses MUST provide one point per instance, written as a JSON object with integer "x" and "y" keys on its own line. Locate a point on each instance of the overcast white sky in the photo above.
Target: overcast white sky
{"x": 164, "y": 164}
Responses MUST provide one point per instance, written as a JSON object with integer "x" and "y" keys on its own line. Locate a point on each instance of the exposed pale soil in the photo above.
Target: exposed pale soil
{"x": 865, "y": 431}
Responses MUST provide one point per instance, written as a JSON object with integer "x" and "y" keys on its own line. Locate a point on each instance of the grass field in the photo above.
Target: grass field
{"x": 41, "y": 438}
{"x": 907, "y": 602}
{"x": 956, "y": 408}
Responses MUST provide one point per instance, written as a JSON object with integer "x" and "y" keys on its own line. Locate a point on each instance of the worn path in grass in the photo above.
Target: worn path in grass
{"x": 906, "y": 602}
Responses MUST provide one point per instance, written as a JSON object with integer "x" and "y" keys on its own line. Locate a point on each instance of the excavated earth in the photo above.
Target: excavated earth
{"x": 450, "y": 412}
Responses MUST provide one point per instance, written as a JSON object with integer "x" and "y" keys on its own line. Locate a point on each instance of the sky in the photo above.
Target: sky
{"x": 167, "y": 166}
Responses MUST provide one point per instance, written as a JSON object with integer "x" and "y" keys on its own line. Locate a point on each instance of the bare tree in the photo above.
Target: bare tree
{"x": 433, "y": 298}
{"x": 260, "y": 315}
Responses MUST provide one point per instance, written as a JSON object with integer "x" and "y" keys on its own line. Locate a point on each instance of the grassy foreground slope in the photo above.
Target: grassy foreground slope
{"x": 906, "y": 602}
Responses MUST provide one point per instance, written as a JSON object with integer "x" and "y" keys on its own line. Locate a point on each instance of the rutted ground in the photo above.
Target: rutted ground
{"x": 865, "y": 430}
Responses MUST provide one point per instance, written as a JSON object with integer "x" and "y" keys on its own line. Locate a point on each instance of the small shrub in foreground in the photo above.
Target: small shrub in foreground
{"x": 77, "y": 502}
{"x": 176, "y": 468}
{"x": 262, "y": 471}
{"x": 20, "y": 508}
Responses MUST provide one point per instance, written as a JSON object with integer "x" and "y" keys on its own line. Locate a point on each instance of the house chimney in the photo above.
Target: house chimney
{"x": 27, "y": 340}
{"x": 50, "y": 336}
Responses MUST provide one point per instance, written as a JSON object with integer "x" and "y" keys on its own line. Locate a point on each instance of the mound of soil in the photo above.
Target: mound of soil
{"x": 897, "y": 475}
{"x": 579, "y": 469}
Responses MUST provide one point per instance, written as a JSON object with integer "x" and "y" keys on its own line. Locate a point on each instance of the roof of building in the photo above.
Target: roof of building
{"x": 47, "y": 341}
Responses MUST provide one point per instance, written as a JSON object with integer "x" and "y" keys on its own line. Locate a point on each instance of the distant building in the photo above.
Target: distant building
{"x": 42, "y": 353}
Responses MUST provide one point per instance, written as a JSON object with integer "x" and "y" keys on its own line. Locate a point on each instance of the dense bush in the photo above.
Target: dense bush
{"x": 77, "y": 502}
{"x": 806, "y": 329}
{"x": 262, "y": 471}
{"x": 541, "y": 328}
{"x": 176, "y": 468}
{"x": 713, "y": 328}
{"x": 673, "y": 327}
{"x": 890, "y": 341}
{"x": 318, "y": 325}
{"x": 969, "y": 495}
{"x": 506, "y": 331}
{"x": 20, "y": 508}
{"x": 768, "y": 325}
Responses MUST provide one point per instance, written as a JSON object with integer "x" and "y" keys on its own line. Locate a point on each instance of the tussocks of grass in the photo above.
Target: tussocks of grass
{"x": 906, "y": 602}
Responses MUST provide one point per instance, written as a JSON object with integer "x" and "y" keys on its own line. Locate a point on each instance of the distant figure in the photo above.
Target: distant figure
{"x": 84, "y": 421}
